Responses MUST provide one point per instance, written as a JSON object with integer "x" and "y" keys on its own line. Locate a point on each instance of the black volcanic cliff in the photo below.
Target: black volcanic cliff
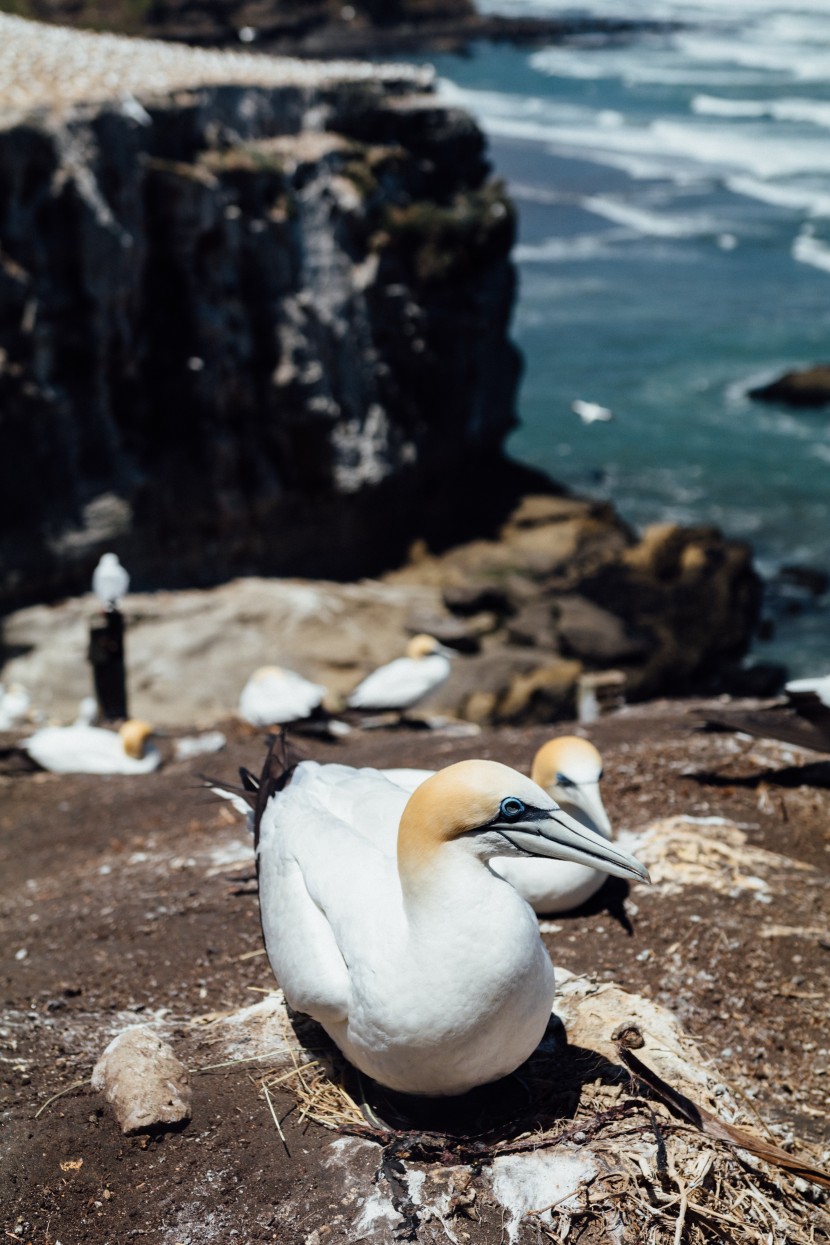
{"x": 248, "y": 328}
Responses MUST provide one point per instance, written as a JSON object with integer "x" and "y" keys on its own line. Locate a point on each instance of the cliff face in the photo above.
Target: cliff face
{"x": 247, "y": 327}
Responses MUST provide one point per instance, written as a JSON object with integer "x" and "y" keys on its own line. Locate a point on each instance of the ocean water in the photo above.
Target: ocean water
{"x": 674, "y": 250}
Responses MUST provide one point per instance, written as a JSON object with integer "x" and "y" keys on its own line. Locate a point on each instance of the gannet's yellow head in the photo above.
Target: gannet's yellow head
{"x": 421, "y": 646}
{"x": 492, "y": 810}
{"x": 267, "y": 672}
{"x": 570, "y": 769}
{"x": 134, "y": 735}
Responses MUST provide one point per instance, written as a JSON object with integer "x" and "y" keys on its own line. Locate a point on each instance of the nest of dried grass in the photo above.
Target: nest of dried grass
{"x": 666, "y": 1170}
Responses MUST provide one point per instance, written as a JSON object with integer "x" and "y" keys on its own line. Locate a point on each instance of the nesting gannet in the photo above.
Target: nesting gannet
{"x": 82, "y": 749}
{"x": 591, "y": 412}
{"x": 423, "y": 965}
{"x": 110, "y": 581}
{"x": 273, "y": 696}
{"x": 402, "y": 683}
{"x": 569, "y": 769}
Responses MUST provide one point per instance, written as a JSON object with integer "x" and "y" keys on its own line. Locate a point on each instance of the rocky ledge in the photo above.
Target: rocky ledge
{"x": 561, "y": 607}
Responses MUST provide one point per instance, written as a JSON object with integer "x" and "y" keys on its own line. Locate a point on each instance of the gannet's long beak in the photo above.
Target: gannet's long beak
{"x": 590, "y": 802}
{"x": 553, "y": 833}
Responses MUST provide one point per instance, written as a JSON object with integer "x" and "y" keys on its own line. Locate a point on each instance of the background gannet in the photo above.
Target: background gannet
{"x": 82, "y": 749}
{"x": 591, "y": 412}
{"x": 273, "y": 696}
{"x": 15, "y": 703}
{"x": 110, "y": 581}
{"x": 425, "y": 968}
{"x": 569, "y": 769}
{"x": 402, "y": 683}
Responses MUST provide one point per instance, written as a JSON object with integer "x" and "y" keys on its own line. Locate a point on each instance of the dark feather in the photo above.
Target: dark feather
{"x": 789, "y": 726}
{"x": 275, "y": 776}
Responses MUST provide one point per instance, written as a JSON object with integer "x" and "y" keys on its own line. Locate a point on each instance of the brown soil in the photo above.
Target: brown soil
{"x": 116, "y": 891}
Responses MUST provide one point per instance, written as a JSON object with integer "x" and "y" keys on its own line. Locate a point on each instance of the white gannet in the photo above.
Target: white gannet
{"x": 273, "y": 696}
{"x": 15, "y": 703}
{"x": 591, "y": 412}
{"x": 569, "y": 769}
{"x": 110, "y": 581}
{"x": 803, "y": 689}
{"x": 423, "y": 965}
{"x": 82, "y": 749}
{"x": 402, "y": 683}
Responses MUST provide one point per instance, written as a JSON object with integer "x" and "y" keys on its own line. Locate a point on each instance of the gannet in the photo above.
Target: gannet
{"x": 15, "y": 703}
{"x": 422, "y": 964}
{"x": 82, "y": 749}
{"x": 273, "y": 696}
{"x": 402, "y": 683}
{"x": 110, "y": 581}
{"x": 591, "y": 412}
{"x": 569, "y": 769}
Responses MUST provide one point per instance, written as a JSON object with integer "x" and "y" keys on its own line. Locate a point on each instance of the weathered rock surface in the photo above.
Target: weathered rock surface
{"x": 606, "y": 601}
{"x": 807, "y": 387}
{"x": 252, "y": 314}
{"x": 148, "y": 1087}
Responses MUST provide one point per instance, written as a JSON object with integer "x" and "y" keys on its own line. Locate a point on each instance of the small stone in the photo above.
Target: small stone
{"x": 148, "y": 1087}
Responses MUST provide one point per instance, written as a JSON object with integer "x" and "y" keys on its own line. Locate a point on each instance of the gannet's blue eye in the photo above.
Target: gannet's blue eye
{"x": 512, "y": 809}
{"x": 562, "y": 780}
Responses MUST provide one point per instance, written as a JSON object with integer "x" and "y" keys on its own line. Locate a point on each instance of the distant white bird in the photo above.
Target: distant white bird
{"x": 273, "y": 696}
{"x": 82, "y": 749}
{"x": 569, "y": 769}
{"x": 15, "y": 703}
{"x": 383, "y": 920}
{"x": 591, "y": 412}
{"x": 110, "y": 581}
{"x": 819, "y": 688}
{"x": 402, "y": 683}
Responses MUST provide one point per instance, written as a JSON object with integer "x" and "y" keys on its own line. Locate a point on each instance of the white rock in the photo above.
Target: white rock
{"x": 149, "y": 1088}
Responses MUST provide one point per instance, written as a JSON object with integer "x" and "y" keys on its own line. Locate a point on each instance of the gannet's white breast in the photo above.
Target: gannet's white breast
{"x": 110, "y": 581}
{"x": 84, "y": 749}
{"x": 402, "y": 683}
{"x": 272, "y": 697}
{"x": 430, "y": 1000}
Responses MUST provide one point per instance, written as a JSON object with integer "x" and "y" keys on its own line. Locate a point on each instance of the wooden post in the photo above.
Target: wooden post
{"x": 106, "y": 655}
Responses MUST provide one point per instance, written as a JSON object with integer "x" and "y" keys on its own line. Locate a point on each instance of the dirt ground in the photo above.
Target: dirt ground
{"x": 127, "y": 899}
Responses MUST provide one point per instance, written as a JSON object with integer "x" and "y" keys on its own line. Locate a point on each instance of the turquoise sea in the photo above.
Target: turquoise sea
{"x": 674, "y": 250}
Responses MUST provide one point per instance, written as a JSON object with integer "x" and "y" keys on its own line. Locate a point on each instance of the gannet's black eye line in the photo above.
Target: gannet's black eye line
{"x": 512, "y": 808}
{"x": 562, "y": 780}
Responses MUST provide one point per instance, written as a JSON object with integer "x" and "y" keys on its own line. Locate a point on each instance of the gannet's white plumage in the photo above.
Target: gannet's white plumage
{"x": 402, "y": 683}
{"x": 423, "y": 965}
{"x": 273, "y": 696}
{"x": 83, "y": 749}
{"x": 110, "y": 581}
{"x": 569, "y": 769}
{"x": 817, "y": 687}
{"x": 591, "y": 412}
{"x": 15, "y": 703}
